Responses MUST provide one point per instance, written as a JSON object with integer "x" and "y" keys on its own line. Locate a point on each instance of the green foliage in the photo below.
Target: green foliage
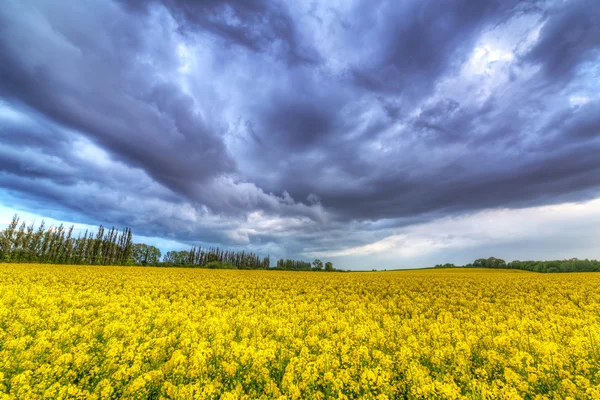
{"x": 57, "y": 245}
{"x": 318, "y": 265}
{"x": 491, "y": 262}
{"x": 22, "y": 243}
{"x": 220, "y": 265}
{"x": 447, "y": 265}
{"x": 571, "y": 265}
{"x": 299, "y": 265}
{"x": 145, "y": 254}
{"x": 293, "y": 265}
{"x": 239, "y": 259}
{"x": 177, "y": 257}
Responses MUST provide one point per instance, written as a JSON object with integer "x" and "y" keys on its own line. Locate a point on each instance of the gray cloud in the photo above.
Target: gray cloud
{"x": 118, "y": 101}
{"x": 203, "y": 121}
{"x": 569, "y": 38}
{"x": 257, "y": 25}
{"x": 416, "y": 42}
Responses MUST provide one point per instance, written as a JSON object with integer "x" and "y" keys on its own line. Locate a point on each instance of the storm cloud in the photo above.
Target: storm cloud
{"x": 296, "y": 128}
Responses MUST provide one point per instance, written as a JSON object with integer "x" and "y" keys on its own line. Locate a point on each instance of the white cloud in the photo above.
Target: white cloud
{"x": 577, "y": 101}
{"x": 516, "y": 228}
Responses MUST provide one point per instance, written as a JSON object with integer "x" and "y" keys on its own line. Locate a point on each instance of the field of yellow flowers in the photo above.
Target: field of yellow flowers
{"x": 126, "y": 332}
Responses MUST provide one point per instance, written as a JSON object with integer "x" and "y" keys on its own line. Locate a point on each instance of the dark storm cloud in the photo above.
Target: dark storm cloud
{"x": 93, "y": 86}
{"x": 570, "y": 37}
{"x": 313, "y": 127}
{"x": 254, "y": 24}
{"x": 494, "y": 170}
{"x": 419, "y": 41}
{"x": 301, "y": 124}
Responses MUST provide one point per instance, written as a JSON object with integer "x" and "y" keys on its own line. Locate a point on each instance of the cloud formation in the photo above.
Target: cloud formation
{"x": 296, "y": 127}
{"x": 516, "y": 233}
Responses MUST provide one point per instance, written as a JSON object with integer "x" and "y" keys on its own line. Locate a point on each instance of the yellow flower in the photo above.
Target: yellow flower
{"x": 128, "y": 332}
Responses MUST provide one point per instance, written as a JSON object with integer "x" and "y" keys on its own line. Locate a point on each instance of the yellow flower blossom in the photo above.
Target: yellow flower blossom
{"x": 128, "y": 332}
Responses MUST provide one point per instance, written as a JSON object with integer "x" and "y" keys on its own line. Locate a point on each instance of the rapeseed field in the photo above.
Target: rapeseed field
{"x": 128, "y": 332}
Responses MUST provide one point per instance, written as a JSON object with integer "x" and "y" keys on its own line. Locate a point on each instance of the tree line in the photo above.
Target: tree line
{"x": 299, "y": 265}
{"x": 20, "y": 242}
{"x": 216, "y": 258}
{"x": 571, "y": 265}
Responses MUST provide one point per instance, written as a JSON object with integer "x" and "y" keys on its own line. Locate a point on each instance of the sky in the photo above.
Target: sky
{"x": 371, "y": 133}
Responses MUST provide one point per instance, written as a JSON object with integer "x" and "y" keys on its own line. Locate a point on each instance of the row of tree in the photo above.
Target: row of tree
{"x": 571, "y": 265}
{"x": 20, "y": 242}
{"x": 217, "y": 258}
{"x": 24, "y": 243}
{"x": 298, "y": 265}
{"x": 293, "y": 265}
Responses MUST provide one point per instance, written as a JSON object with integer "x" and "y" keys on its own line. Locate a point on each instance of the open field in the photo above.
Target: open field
{"x": 113, "y": 332}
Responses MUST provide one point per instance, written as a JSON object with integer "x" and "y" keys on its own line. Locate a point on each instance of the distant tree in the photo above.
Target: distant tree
{"x": 491, "y": 262}
{"x": 571, "y": 265}
{"x": 294, "y": 265}
{"x": 447, "y": 265}
{"x": 494, "y": 262}
{"x": 25, "y": 250}
{"x": 35, "y": 245}
{"x": 18, "y": 243}
{"x": 328, "y": 266}
{"x": 65, "y": 256}
{"x": 318, "y": 265}
{"x": 138, "y": 252}
{"x": 169, "y": 257}
{"x": 6, "y": 239}
{"x": 96, "y": 254}
{"x": 145, "y": 254}
{"x": 127, "y": 246}
{"x": 45, "y": 246}
{"x": 177, "y": 257}
{"x": 22, "y": 243}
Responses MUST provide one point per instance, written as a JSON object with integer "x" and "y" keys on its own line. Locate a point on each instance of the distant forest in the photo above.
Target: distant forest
{"x": 571, "y": 265}
{"x": 24, "y": 243}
